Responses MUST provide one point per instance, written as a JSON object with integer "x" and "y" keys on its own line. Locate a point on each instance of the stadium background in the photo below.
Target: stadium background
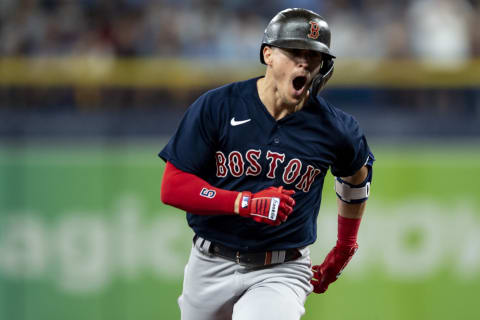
{"x": 90, "y": 91}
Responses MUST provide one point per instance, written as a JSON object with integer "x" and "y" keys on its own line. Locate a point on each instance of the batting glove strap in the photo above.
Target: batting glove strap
{"x": 245, "y": 198}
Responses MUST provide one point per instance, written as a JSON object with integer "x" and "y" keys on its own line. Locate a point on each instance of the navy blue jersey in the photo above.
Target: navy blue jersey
{"x": 228, "y": 138}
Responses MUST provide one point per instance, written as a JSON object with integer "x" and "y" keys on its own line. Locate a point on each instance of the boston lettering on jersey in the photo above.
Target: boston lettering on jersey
{"x": 238, "y": 165}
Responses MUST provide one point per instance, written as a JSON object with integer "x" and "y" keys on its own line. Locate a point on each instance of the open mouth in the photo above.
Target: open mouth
{"x": 299, "y": 82}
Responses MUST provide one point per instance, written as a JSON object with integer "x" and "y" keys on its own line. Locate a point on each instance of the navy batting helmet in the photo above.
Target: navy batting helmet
{"x": 297, "y": 28}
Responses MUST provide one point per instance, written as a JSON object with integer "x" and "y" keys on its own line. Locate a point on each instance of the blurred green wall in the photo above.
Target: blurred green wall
{"x": 83, "y": 235}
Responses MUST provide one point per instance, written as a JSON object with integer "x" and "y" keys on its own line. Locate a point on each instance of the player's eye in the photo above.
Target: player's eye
{"x": 316, "y": 55}
{"x": 291, "y": 52}
{"x": 308, "y": 54}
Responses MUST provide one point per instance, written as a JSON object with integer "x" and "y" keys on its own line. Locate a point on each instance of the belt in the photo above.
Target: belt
{"x": 250, "y": 259}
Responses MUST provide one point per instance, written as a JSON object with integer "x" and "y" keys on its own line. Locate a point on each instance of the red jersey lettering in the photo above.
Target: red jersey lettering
{"x": 307, "y": 179}
{"x": 292, "y": 171}
{"x": 274, "y": 157}
{"x": 254, "y": 168}
{"x": 235, "y": 163}
{"x": 220, "y": 161}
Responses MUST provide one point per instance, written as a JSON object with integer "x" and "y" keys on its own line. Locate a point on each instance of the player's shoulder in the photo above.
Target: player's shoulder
{"x": 338, "y": 117}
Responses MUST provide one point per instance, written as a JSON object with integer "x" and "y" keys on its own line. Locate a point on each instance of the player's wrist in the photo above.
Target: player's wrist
{"x": 236, "y": 205}
{"x": 242, "y": 203}
{"x": 347, "y": 231}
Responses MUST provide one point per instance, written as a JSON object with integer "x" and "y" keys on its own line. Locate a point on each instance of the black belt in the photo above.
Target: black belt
{"x": 251, "y": 259}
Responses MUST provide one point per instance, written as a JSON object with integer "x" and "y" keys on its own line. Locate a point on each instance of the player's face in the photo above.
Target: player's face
{"x": 293, "y": 70}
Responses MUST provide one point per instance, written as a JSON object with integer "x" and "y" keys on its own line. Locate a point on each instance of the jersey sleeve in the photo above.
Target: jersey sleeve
{"x": 353, "y": 151}
{"x": 192, "y": 146}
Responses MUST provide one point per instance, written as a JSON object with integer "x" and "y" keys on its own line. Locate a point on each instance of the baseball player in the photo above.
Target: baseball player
{"x": 247, "y": 164}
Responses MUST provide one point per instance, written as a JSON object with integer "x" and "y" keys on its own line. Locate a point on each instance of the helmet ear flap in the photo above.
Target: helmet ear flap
{"x": 320, "y": 80}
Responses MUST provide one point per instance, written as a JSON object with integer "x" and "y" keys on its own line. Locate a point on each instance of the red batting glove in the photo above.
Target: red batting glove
{"x": 271, "y": 205}
{"x": 329, "y": 271}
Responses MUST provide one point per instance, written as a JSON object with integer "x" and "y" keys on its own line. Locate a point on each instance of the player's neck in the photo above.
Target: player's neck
{"x": 272, "y": 100}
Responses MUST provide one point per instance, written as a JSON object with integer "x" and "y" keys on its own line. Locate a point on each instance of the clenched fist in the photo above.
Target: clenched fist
{"x": 271, "y": 205}
{"x": 332, "y": 267}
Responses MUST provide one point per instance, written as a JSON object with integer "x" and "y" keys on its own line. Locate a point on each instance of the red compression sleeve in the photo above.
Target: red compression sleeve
{"x": 190, "y": 193}
{"x": 347, "y": 231}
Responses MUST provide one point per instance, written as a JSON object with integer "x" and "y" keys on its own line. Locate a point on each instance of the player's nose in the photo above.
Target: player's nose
{"x": 303, "y": 58}
{"x": 307, "y": 59}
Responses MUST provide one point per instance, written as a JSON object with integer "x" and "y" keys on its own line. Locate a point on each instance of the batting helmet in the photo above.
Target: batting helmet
{"x": 297, "y": 28}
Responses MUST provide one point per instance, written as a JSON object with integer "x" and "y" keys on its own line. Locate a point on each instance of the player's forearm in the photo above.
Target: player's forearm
{"x": 350, "y": 214}
{"x": 190, "y": 193}
{"x": 349, "y": 218}
{"x": 193, "y": 194}
{"x": 351, "y": 210}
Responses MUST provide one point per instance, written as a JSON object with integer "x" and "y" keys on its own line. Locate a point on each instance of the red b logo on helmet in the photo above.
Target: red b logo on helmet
{"x": 314, "y": 30}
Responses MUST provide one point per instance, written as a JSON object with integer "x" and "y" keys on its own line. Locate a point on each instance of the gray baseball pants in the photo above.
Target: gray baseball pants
{"x": 218, "y": 289}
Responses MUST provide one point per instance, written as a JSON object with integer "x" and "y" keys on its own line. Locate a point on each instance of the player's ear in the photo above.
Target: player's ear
{"x": 267, "y": 55}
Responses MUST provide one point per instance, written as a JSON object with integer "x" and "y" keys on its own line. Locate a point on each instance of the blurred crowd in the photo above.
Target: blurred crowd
{"x": 446, "y": 32}
{"x": 421, "y": 29}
